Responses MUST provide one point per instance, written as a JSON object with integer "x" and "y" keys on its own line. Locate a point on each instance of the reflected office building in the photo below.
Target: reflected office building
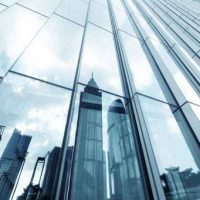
{"x": 88, "y": 173}
{"x": 123, "y": 171}
{"x": 131, "y": 131}
{"x": 11, "y": 162}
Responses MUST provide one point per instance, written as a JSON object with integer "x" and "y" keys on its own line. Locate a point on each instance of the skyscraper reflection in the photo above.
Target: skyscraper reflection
{"x": 11, "y": 162}
{"x": 89, "y": 171}
{"x": 125, "y": 181}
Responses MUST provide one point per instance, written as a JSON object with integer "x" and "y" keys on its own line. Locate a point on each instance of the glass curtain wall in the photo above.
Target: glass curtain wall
{"x": 99, "y": 100}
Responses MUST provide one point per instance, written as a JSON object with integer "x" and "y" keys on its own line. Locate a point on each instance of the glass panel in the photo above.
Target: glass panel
{"x": 75, "y": 10}
{"x": 45, "y": 7}
{"x": 2, "y": 7}
{"x": 122, "y": 18}
{"x": 178, "y": 76}
{"x": 53, "y": 55}
{"x": 103, "y": 2}
{"x": 99, "y": 15}
{"x": 178, "y": 167}
{"x": 143, "y": 23}
{"x": 105, "y": 166}
{"x": 196, "y": 110}
{"x": 8, "y": 2}
{"x": 17, "y": 27}
{"x": 141, "y": 71}
{"x": 99, "y": 58}
{"x": 34, "y": 116}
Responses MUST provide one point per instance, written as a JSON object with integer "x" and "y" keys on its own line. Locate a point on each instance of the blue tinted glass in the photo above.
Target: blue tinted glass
{"x": 53, "y": 55}
{"x": 99, "y": 59}
{"x": 99, "y": 15}
{"x": 45, "y": 7}
{"x": 178, "y": 164}
{"x": 142, "y": 74}
{"x": 21, "y": 26}
{"x": 75, "y": 10}
{"x": 2, "y": 7}
{"x": 38, "y": 112}
{"x": 105, "y": 159}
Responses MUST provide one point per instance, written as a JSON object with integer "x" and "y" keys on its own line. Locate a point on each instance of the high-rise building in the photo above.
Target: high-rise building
{"x": 122, "y": 170}
{"x": 132, "y": 131}
{"x": 88, "y": 174}
{"x": 11, "y": 162}
{"x": 49, "y": 175}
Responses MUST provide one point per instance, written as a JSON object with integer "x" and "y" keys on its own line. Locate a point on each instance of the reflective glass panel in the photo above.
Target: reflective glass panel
{"x": 99, "y": 59}
{"x": 99, "y": 15}
{"x": 122, "y": 18}
{"x": 8, "y": 2}
{"x": 103, "y": 2}
{"x": 105, "y": 161}
{"x": 75, "y": 10}
{"x": 177, "y": 163}
{"x": 17, "y": 27}
{"x": 141, "y": 72}
{"x": 34, "y": 116}
{"x": 2, "y": 7}
{"x": 142, "y": 22}
{"x": 45, "y": 7}
{"x": 196, "y": 110}
{"x": 53, "y": 55}
{"x": 177, "y": 74}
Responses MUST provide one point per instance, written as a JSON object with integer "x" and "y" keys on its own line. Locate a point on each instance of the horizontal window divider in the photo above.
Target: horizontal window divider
{"x": 68, "y": 19}
{"x": 37, "y": 79}
{"x": 32, "y": 10}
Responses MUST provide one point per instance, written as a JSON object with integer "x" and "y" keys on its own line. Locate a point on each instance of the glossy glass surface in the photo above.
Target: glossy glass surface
{"x": 45, "y": 7}
{"x": 180, "y": 79}
{"x": 102, "y": 2}
{"x": 17, "y": 27}
{"x": 99, "y": 15}
{"x": 142, "y": 22}
{"x": 99, "y": 59}
{"x": 53, "y": 55}
{"x": 75, "y": 10}
{"x": 122, "y": 19}
{"x": 37, "y": 110}
{"x": 178, "y": 167}
{"x": 141, "y": 72}
{"x": 2, "y": 7}
{"x": 196, "y": 110}
{"x": 105, "y": 161}
{"x": 8, "y": 2}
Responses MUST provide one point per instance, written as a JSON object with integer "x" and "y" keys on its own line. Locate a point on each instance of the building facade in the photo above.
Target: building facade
{"x": 115, "y": 84}
{"x": 11, "y": 162}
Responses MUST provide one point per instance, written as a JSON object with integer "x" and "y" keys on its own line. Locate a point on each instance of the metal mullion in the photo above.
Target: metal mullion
{"x": 174, "y": 32}
{"x": 183, "y": 28}
{"x": 180, "y": 17}
{"x": 189, "y": 72}
{"x": 62, "y": 156}
{"x": 40, "y": 80}
{"x": 148, "y": 52}
{"x": 156, "y": 192}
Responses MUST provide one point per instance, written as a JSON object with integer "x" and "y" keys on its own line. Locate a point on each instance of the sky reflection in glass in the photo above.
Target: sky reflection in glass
{"x": 53, "y": 55}
{"x": 36, "y": 109}
{"x": 17, "y": 27}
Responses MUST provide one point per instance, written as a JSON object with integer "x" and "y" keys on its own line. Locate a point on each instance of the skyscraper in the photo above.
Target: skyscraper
{"x": 123, "y": 170}
{"x": 88, "y": 174}
{"x": 11, "y": 162}
{"x": 49, "y": 174}
{"x": 135, "y": 132}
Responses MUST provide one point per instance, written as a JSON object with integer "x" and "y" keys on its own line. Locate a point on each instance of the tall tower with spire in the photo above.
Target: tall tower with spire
{"x": 88, "y": 169}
